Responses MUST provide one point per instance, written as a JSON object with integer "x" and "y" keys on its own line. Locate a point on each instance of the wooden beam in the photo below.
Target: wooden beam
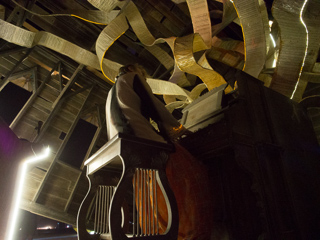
{"x": 89, "y": 72}
{"x": 68, "y": 85}
{"x": 156, "y": 71}
{"x": 47, "y": 212}
{"x": 21, "y": 73}
{"x": 32, "y": 98}
{"x": 24, "y": 14}
{"x": 53, "y": 113}
{"x": 35, "y": 79}
{"x": 60, "y": 76}
{"x": 5, "y": 80}
{"x": 80, "y": 90}
{"x": 61, "y": 148}
{"x": 166, "y": 72}
{"x": 12, "y": 51}
{"x": 66, "y": 208}
{"x": 96, "y": 136}
{"x": 13, "y": 14}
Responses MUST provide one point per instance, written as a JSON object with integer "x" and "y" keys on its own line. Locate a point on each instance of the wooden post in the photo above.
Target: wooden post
{"x": 96, "y": 135}
{"x": 68, "y": 85}
{"x": 60, "y": 77}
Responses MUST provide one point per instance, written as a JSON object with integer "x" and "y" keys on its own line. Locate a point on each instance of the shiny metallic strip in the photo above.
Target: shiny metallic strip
{"x": 106, "y": 206}
{"x": 99, "y": 210}
{"x": 153, "y": 200}
{"x": 156, "y": 201}
{"x": 149, "y": 203}
{"x": 134, "y": 203}
{"x": 140, "y": 201}
{"x": 96, "y": 213}
{"x": 144, "y": 203}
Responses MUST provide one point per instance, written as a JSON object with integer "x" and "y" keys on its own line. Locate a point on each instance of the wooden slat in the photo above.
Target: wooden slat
{"x": 165, "y": 7}
{"x": 10, "y": 51}
{"x": 48, "y": 212}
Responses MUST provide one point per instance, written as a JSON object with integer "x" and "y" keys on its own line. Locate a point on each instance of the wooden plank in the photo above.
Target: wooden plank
{"x": 7, "y": 63}
{"x": 68, "y": 85}
{"x": 58, "y": 186}
{"x": 60, "y": 77}
{"x": 24, "y": 14}
{"x": 172, "y": 28}
{"x": 130, "y": 44}
{"x": 71, "y": 196}
{"x": 36, "y": 173}
{"x": 65, "y": 117}
{"x": 30, "y": 101}
{"x": 10, "y": 51}
{"x": 64, "y": 143}
{"x": 61, "y": 123}
{"x": 165, "y": 8}
{"x": 71, "y": 107}
{"x": 68, "y": 116}
{"x": 185, "y": 18}
{"x": 25, "y": 131}
{"x": 39, "y": 58}
{"x": 42, "y": 105}
{"x": 54, "y": 119}
{"x": 4, "y": 71}
{"x": 28, "y": 193}
{"x": 154, "y": 26}
{"x": 49, "y": 94}
{"x": 15, "y": 67}
{"x": 36, "y": 114}
{"x": 51, "y": 138}
{"x": 95, "y": 137}
{"x": 31, "y": 185}
{"x": 21, "y": 73}
{"x": 53, "y": 201}
{"x": 74, "y": 101}
{"x": 48, "y": 212}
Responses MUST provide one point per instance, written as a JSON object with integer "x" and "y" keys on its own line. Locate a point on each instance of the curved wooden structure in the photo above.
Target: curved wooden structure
{"x": 136, "y": 158}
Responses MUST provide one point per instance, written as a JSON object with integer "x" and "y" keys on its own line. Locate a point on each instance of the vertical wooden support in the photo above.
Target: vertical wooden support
{"x": 96, "y": 136}
{"x": 60, "y": 77}
{"x": 31, "y": 99}
{"x": 66, "y": 207}
{"x": 35, "y": 79}
{"x": 61, "y": 148}
{"x": 24, "y": 14}
{"x": 68, "y": 85}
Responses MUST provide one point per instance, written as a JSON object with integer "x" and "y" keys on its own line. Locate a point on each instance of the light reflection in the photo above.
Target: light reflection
{"x": 307, "y": 44}
{"x": 18, "y": 191}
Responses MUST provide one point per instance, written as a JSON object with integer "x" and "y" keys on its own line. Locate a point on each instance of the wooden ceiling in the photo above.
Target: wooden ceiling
{"x": 163, "y": 18}
{"x": 61, "y": 102}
